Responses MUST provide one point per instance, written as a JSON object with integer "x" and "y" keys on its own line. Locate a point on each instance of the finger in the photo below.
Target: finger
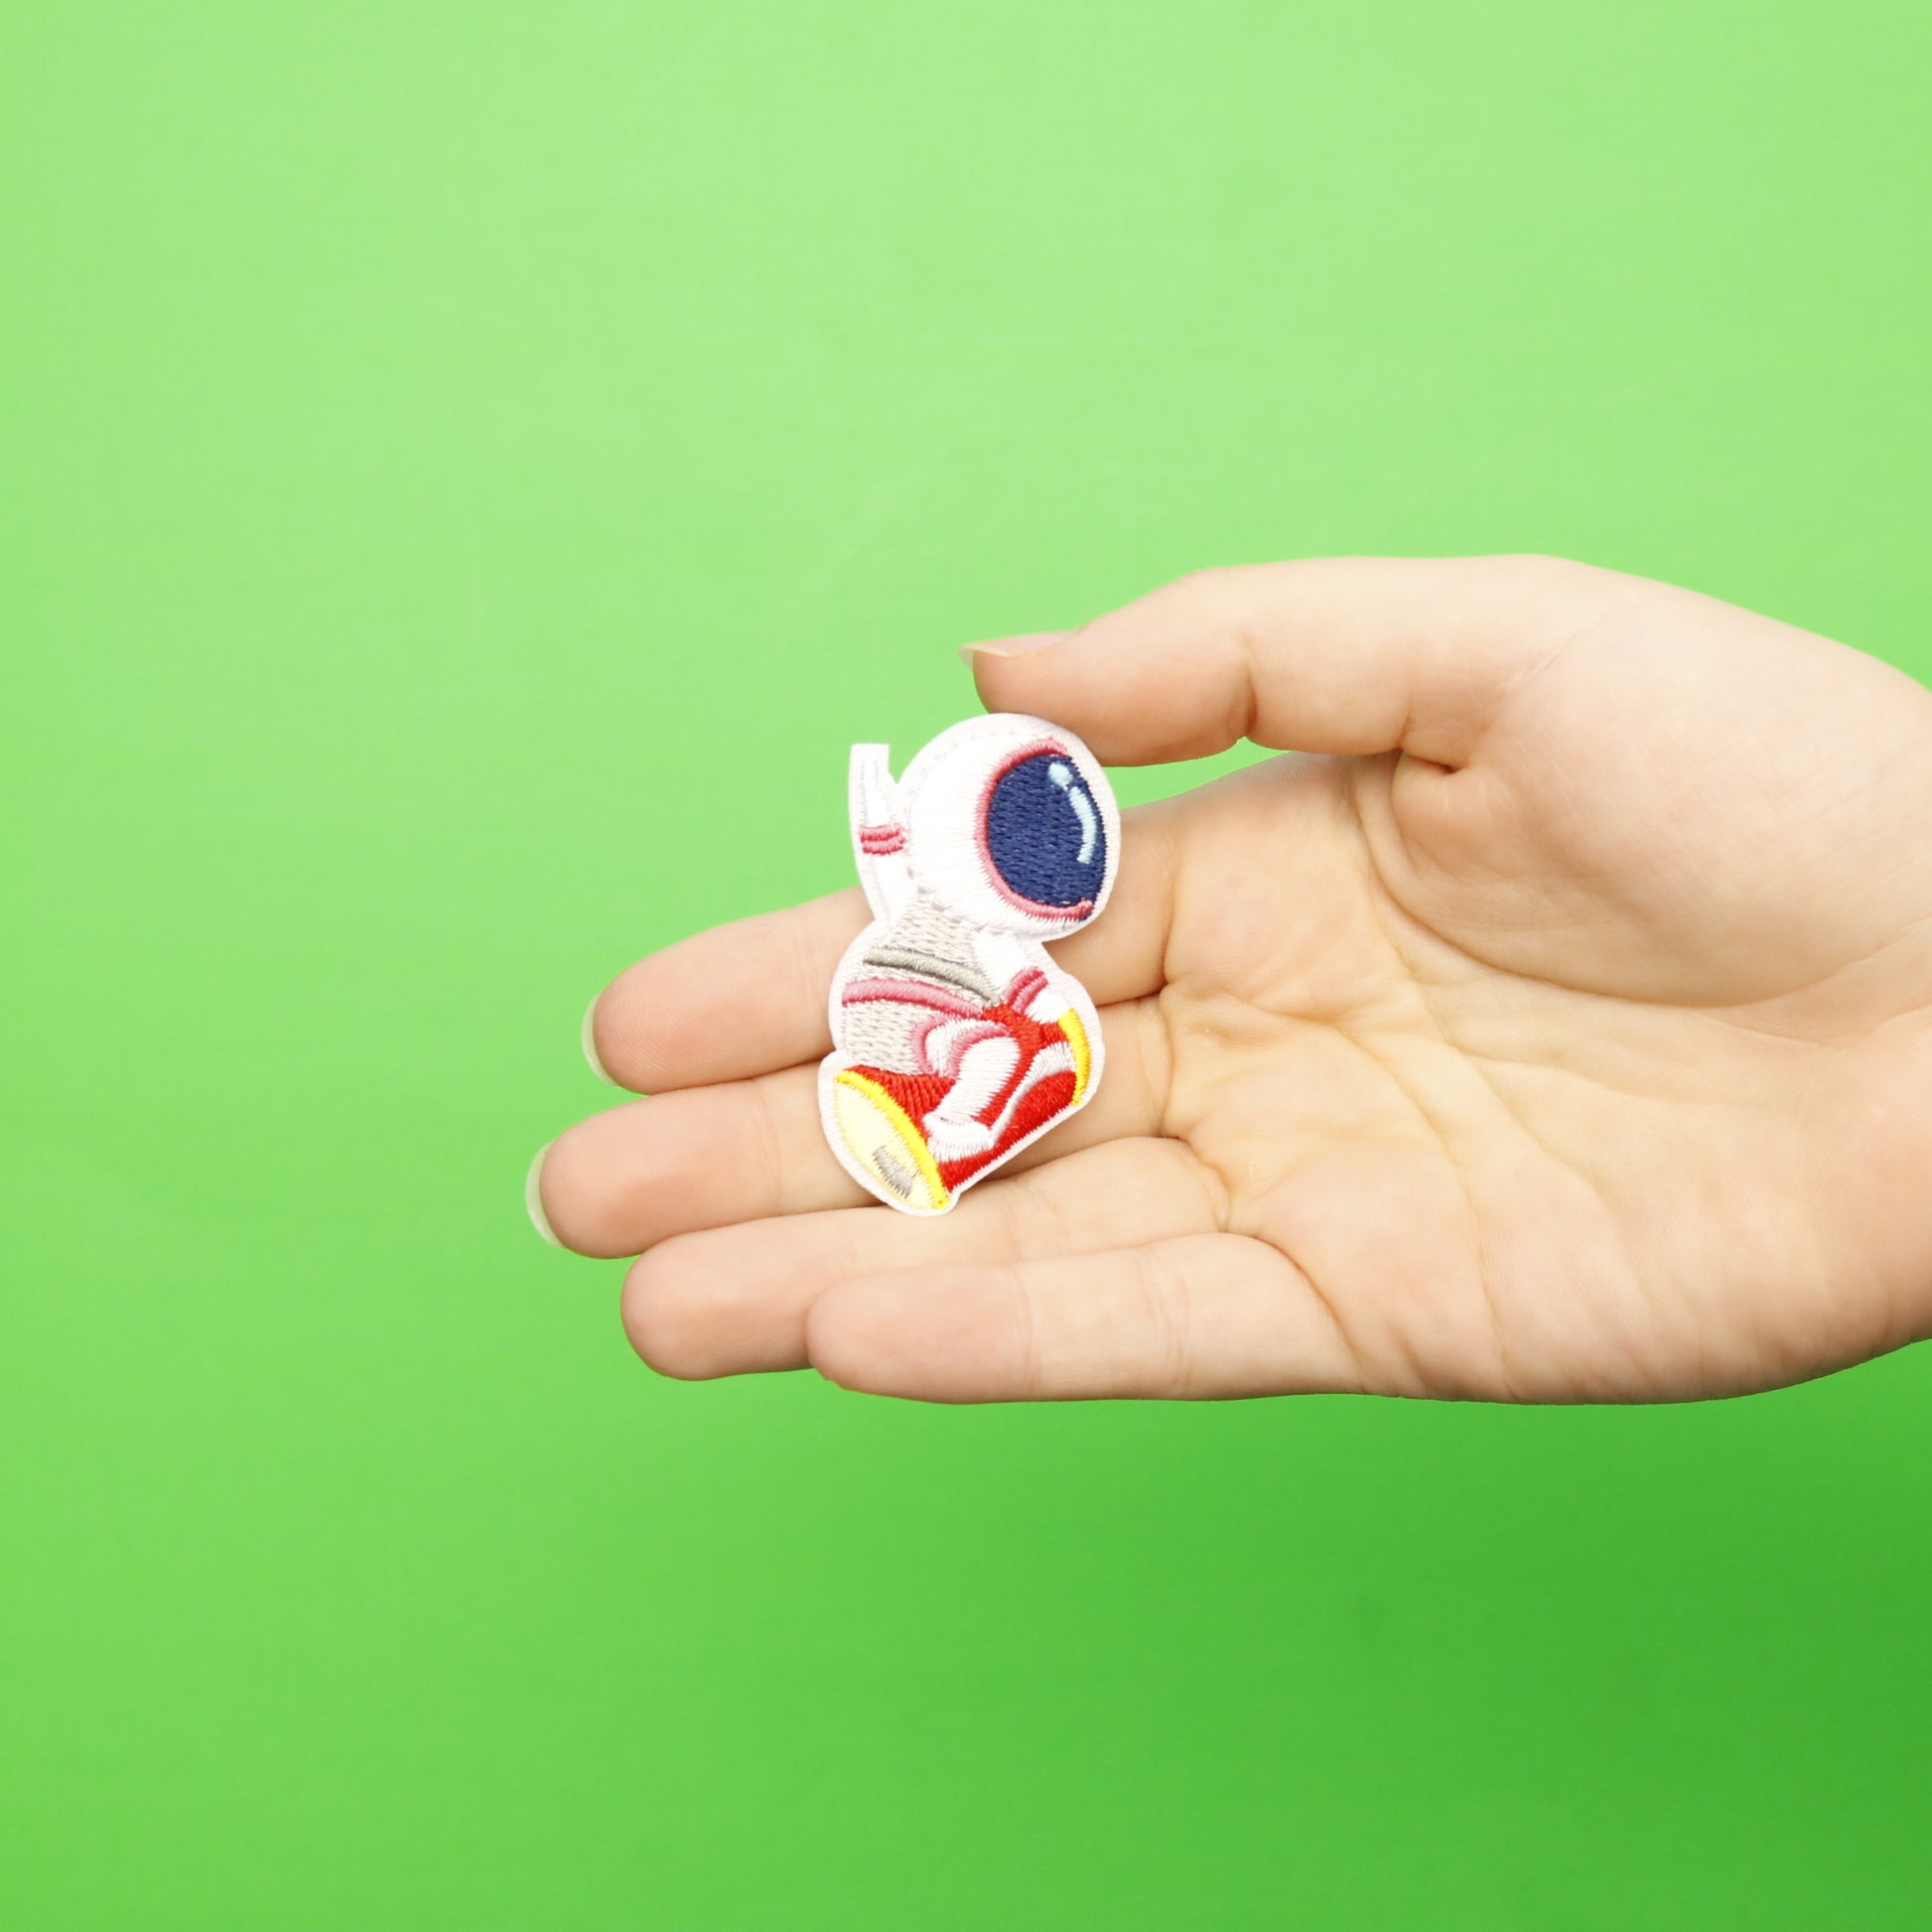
{"x": 734, "y": 1301}
{"x": 738, "y": 1000}
{"x": 1342, "y": 654}
{"x": 751, "y": 997}
{"x": 705, "y": 1157}
{"x": 1201, "y": 1315}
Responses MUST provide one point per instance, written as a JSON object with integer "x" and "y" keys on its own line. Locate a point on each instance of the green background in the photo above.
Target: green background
{"x": 468, "y": 472}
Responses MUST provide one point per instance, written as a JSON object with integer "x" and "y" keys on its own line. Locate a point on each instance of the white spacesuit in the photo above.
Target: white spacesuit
{"x": 957, "y": 1039}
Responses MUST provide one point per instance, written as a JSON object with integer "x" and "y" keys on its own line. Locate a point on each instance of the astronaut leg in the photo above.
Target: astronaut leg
{"x": 953, "y": 1130}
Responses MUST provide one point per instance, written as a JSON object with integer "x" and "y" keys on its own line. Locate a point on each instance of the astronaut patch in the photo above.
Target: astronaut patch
{"x": 956, "y": 1039}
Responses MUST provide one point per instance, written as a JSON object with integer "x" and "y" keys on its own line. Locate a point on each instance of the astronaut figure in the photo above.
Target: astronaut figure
{"x": 957, "y": 1041}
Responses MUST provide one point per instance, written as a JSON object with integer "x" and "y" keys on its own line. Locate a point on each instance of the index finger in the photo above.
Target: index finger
{"x": 751, "y": 997}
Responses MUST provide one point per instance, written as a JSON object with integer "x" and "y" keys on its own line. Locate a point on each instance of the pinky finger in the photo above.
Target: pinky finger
{"x": 1198, "y": 1315}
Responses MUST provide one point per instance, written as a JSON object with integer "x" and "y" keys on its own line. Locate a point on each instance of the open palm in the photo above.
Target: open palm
{"x": 1554, "y": 1025}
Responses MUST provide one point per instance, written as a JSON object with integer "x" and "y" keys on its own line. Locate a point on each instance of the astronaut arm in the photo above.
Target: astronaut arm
{"x": 877, "y": 832}
{"x": 1013, "y": 968}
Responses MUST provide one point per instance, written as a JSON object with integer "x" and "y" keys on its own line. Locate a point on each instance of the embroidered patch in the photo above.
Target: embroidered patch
{"x": 956, "y": 1039}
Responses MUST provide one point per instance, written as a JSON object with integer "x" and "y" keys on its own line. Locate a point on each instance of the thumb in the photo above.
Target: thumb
{"x": 1343, "y": 654}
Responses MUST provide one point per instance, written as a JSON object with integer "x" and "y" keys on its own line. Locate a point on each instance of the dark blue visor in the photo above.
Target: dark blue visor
{"x": 1045, "y": 832}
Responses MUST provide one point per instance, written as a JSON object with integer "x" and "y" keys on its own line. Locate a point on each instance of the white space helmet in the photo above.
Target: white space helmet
{"x": 1011, "y": 824}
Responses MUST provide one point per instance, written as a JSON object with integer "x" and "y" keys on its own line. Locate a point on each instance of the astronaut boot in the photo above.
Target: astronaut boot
{"x": 1008, "y": 1087}
{"x": 998, "y": 1082}
{"x": 983, "y": 1067}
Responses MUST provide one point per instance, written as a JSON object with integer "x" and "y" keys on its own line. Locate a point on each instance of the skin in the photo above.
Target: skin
{"x": 1554, "y": 1024}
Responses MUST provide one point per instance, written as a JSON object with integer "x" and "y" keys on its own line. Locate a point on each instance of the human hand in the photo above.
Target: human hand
{"x": 1561, "y": 1030}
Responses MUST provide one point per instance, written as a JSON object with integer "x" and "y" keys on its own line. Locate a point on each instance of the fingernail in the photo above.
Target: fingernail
{"x": 1020, "y": 647}
{"x": 589, "y": 1037}
{"x": 533, "y": 1196}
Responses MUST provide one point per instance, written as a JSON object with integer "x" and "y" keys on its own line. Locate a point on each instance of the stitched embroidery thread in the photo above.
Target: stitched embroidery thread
{"x": 956, "y": 1039}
